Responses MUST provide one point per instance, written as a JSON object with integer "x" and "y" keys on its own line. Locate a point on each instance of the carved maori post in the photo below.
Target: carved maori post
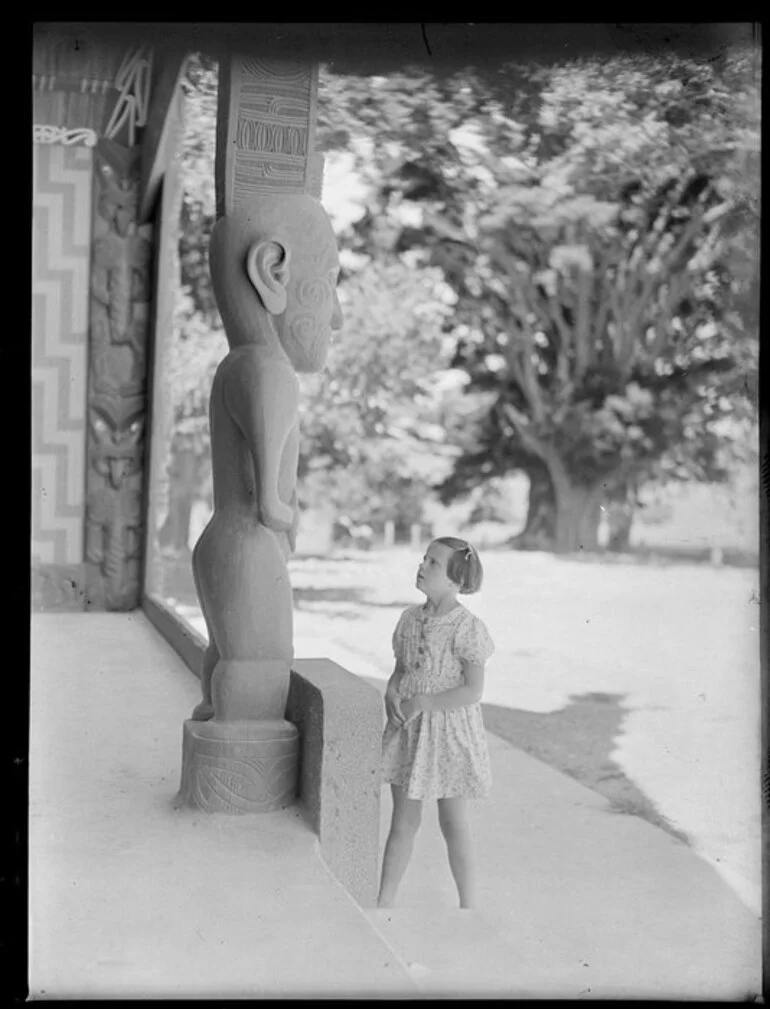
{"x": 120, "y": 296}
{"x": 92, "y": 91}
{"x": 120, "y": 300}
{"x": 274, "y": 266}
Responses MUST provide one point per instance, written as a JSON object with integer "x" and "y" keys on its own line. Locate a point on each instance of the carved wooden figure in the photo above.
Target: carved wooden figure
{"x": 274, "y": 268}
{"x": 114, "y": 505}
{"x": 120, "y": 295}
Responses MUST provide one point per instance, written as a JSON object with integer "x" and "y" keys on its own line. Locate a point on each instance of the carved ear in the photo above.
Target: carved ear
{"x": 267, "y": 264}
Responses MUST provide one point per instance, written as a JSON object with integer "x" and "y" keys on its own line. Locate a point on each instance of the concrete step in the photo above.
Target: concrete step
{"x": 455, "y": 953}
{"x": 131, "y": 897}
{"x": 574, "y": 900}
{"x": 451, "y": 952}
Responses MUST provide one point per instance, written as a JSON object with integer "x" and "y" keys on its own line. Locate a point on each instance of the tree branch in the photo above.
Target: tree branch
{"x": 528, "y": 438}
{"x": 620, "y": 322}
{"x": 687, "y": 235}
{"x": 585, "y": 339}
{"x": 630, "y": 330}
{"x": 675, "y": 293}
{"x": 605, "y": 287}
{"x": 523, "y": 371}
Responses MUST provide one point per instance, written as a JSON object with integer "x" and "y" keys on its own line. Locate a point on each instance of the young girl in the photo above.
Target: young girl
{"x": 434, "y": 744}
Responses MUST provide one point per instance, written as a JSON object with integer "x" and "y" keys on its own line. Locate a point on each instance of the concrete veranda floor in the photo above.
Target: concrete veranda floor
{"x": 129, "y": 897}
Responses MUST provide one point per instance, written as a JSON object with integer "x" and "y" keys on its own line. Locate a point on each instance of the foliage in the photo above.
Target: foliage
{"x": 369, "y": 428}
{"x": 198, "y": 342}
{"x": 198, "y": 207}
{"x": 598, "y": 226}
{"x": 578, "y": 240}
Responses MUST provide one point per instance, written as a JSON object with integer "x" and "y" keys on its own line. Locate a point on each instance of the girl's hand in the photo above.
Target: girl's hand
{"x": 410, "y": 708}
{"x": 393, "y": 707}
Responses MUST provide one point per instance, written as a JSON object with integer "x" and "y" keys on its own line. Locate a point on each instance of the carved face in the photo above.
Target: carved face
{"x": 118, "y": 190}
{"x": 289, "y": 252}
{"x": 313, "y": 310}
{"x": 116, "y": 444}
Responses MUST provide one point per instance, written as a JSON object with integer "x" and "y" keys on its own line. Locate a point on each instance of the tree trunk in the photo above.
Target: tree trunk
{"x": 577, "y": 516}
{"x": 183, "y": 489}
{"x": 620, "y": 519}
{"x": 176, "y": 528}
{"x": 539, "y": 531}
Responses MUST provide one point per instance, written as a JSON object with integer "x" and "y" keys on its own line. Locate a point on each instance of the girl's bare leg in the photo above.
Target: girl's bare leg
{"x": 407, "y": 814}
{"x": 454, "y": 821}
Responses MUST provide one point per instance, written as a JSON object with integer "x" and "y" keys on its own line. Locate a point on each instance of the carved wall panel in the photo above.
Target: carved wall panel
{"x": 89, "y": 333}
{"x": 80, "y": 81}
{"x": 60, "y": 259}
{"x": 121, "y": 283}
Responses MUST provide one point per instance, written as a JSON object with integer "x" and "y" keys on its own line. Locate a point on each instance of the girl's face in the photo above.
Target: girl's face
{"x": 432, "y": 578}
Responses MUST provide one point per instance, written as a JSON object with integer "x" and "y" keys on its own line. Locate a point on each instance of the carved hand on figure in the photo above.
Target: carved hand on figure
{"x": 295, "y": 522}
{"x": 276, "y": 516}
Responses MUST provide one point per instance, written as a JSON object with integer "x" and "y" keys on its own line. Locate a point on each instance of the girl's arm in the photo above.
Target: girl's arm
{"x": 393, "y": 700}
{"x": 395, "y": 676}
{"x": 457, "y": 697}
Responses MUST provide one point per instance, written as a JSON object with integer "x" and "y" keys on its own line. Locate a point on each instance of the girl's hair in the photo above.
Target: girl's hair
{"x": 464, "y": 566}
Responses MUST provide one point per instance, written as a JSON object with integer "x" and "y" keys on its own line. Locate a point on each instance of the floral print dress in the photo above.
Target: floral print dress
{"x": 438, "y": 754}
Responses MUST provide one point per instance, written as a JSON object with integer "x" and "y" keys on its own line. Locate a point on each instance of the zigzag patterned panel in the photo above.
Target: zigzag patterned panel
{"x": 60, "y": 284}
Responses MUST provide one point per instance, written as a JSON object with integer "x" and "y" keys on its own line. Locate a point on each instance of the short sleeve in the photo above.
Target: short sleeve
{"x": 473, "y": 642}
{"x": 398, "y": 637}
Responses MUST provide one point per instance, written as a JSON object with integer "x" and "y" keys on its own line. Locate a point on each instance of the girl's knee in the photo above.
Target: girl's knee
{"x": 407, "y": 821}
{"x": 452, "y": 817}
{"x": 407, "y": 817}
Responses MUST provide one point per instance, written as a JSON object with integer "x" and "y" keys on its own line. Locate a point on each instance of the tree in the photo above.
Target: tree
{"x": 198, "y": 342}
{"x": 599, "y": 368}
{"x": 368, "y": 430}
{"x": 200, "y": 85}
{"x": 596, "y": 228}
{"x": 194, "y": 356}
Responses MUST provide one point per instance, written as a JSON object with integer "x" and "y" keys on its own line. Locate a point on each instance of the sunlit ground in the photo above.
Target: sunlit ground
{"x": 641, "y": 680}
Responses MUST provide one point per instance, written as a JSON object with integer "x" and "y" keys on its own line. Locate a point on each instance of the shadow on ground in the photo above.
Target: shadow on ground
{"x": 304, "y": 595}
{"x": 177, "y": 584}
{"x": 578, "y": 740}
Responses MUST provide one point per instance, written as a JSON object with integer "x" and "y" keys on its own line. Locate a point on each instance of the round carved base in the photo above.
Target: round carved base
{"x": 239, "y": 767}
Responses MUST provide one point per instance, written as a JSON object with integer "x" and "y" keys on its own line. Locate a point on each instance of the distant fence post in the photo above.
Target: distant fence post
{"x": 415, "y": 536}
{"x": 390, "y": 533}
